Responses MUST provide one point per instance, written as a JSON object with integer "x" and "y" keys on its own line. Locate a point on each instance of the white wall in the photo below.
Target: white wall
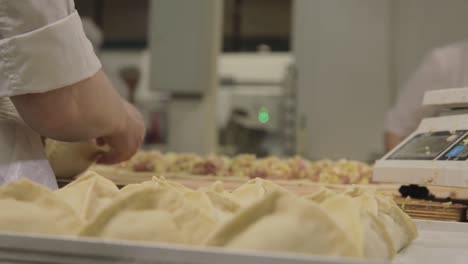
{"x": 342, "y": 54}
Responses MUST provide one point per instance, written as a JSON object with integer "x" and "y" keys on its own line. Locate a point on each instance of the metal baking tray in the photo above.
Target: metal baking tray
{"x": 439, "y": 242}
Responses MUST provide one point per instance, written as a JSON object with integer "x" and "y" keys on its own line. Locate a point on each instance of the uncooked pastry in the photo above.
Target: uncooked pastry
{"x": 283, "y": 222}
{"x": 68, "y": 159}
{"x": 259, "y": 215}
{"x": 144, "y": 215}
{"x": 89, "y": 194}
{"x": 254, "y": 190}
{"x": 30, "y": 208}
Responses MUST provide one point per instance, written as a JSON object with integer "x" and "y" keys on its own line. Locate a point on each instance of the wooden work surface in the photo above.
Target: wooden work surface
{"x": 124, "y": 177}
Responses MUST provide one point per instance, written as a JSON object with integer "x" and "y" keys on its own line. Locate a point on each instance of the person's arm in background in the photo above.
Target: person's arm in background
{"x": 408, "y": 111}
{"x": 392, "y": 140}
{"x": 55, "y": 80}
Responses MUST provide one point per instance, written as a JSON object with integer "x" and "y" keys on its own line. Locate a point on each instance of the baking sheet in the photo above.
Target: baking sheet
{"x": 439, "y": 242}
{"x": 52, "y": 250}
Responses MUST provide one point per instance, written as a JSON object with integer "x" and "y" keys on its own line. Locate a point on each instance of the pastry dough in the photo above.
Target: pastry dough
{"x": 259, "y": 215}
{"x": 385, "y": 219}
{"x": 377, "y": 241}
{"x": 345, "y": 211}
{"x": 89, "y": 194}
{"x": 283, "y": 222}
{"x": 224, "y": 207}
{"x": 365, "y": 228}
{"x": 321, "y": 195}
{"x": 136, "y": 186}
{"x": 30, "y": 208}
{"x": 399, "y": 225}
{"x": 144, "y": 215}
{"x": 195, "y": 223}
{"x": 190, "y": 221}
{"x": 223, "y": 202}
{"x": 254, "y": 190}
{"x": 69, "y": 159}
{"x": 171, "y": 184}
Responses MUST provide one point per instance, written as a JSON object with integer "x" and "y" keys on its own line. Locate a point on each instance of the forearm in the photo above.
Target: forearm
{"x": 88, "y": 109}
{"x": 392, "y": 140}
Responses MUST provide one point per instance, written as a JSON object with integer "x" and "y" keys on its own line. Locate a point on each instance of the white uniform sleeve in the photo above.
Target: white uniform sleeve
{"x": 407, "y": 113}
{"x": 42, "y": 47}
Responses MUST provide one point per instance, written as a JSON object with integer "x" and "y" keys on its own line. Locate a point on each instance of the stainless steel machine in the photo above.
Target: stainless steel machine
{"x": 250, "y": 111}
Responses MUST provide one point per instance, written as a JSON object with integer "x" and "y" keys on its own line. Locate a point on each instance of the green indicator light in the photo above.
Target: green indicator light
{"x": 263, "y": 116}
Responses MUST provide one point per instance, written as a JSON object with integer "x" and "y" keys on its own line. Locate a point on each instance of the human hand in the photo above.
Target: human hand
{"x": 125, "y": 141}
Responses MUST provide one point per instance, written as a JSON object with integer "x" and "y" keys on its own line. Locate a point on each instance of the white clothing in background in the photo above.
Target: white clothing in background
{"x": 443, "y": 68}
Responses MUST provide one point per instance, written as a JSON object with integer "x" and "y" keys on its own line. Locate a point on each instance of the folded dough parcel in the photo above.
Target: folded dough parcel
{"x": 259, "y": 215}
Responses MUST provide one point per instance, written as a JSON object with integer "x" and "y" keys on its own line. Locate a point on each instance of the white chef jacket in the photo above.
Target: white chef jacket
{"x": 42, "y": 48}
{"x": 443, "y": 68}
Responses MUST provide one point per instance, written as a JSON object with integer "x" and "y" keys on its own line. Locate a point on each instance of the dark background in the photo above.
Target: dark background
{"x": 247, "y": 23}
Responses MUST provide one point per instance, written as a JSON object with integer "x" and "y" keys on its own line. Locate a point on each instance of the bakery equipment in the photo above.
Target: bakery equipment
{"x": 250, "y": 110}
{"x": 254, "y": 120}
{"x": 437, "y": 152}
{"x": 433, "y": 159}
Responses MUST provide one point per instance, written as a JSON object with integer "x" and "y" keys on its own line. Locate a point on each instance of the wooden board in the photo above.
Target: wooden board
{"x": 431, "y": 210}
{"x": 124, "y": 177}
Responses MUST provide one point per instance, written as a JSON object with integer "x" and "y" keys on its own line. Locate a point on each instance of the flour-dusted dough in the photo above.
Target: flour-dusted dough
{"x": 144, "y": 215}
{"x": 259, "y": 215}
{"x": 320, "y": 195}
{"x": 159, "y": 182}
{"x": 377, "y": 240}
{"x": 254, "y": 190}
{"x": 153, "y": 207}
{"x": 222, "y": 202}
{"x": 170, "y": 184}
{"x": 223, "y": 205}
{"x": 388, "y": 228}
{"x": 198, "y": 214}
{"x": 345, "y": 211}
{"x": 89, "y": 194}
{"x": 201, "y": 200}
{"x": 30, "y": 208}
{"x": 400, "y": 226}
{"x": 195, "y": 223}
{"x": 137, "y": 186}
{"x": 68, "y": 159}
{"x": 353, "y": 213}
{"x": 283, "y": 222}
{"x": 145, "y": 225}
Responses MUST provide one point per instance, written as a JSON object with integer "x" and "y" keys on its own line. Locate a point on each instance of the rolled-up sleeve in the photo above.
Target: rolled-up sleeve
{"x": 42, "y": 47}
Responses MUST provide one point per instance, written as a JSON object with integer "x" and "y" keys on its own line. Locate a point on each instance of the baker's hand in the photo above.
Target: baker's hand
{"x": 126, "y": 140}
